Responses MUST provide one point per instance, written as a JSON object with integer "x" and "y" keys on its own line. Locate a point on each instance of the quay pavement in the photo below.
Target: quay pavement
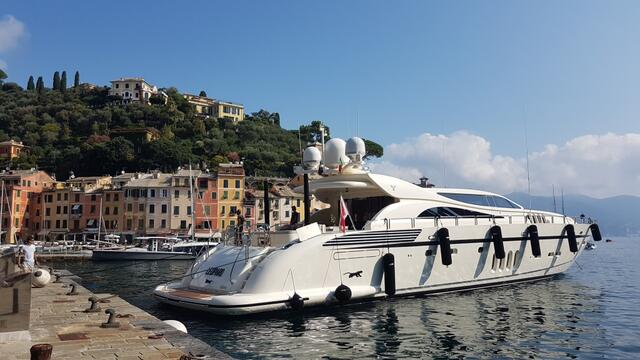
{"x": 60, "y": 320}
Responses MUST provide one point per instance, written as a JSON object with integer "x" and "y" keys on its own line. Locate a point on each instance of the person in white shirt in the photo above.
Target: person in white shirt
{"x": 28, "y": 252}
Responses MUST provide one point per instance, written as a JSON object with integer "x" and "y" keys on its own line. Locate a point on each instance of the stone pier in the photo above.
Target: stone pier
{"x": 60, "y": 320}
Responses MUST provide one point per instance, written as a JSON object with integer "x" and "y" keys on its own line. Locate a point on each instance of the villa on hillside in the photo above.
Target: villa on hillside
{"x": 134, "y": 90}
{"x": 217, "y": 109}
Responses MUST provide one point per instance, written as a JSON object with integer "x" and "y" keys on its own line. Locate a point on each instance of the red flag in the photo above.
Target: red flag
{"x": 344, "y": 212}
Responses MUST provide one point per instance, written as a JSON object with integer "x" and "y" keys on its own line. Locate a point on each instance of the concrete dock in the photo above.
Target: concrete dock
{"x": 60, "y": 320}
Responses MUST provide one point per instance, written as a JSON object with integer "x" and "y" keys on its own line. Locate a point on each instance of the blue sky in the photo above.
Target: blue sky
{"x": 403, "y": 68}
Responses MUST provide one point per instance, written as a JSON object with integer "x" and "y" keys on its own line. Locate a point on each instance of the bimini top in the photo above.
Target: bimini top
{"x": 362, "y": 185}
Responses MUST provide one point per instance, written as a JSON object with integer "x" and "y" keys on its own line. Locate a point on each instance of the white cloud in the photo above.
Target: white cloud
{"x": 596, "y": 165}
{"x": 11, "y": 32}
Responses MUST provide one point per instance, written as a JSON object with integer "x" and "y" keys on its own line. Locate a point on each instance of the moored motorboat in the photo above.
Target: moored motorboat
{"x": 402, "y": 239}
{"x": 155, "y": 248}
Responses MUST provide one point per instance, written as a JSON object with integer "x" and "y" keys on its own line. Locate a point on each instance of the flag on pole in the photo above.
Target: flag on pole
{"x": 344, "y": 212}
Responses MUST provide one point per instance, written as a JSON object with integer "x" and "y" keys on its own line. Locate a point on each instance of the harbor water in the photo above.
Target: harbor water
{"x": 592, "y": 311}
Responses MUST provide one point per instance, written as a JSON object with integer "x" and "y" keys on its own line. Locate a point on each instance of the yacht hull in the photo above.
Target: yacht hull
{"x": 312, "y": 270}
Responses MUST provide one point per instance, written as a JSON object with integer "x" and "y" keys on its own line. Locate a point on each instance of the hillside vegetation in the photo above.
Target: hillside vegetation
{"x": 68, "y": 130}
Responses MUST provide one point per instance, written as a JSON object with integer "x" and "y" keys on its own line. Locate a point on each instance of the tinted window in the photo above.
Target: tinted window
{"x": 450, "y": 212}
{"x": 482, "y": 200}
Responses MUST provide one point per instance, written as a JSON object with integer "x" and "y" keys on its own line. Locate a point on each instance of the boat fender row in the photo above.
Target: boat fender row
{"x": 342, "y": 293}
{"x": 595, "y": 232}
{"x": 445, "y": 246}
{"x": 534, "y": 238}
{"x": 498, "y": 243}
{"x": 389, "y": 265}
{"x": 570, "y": 233}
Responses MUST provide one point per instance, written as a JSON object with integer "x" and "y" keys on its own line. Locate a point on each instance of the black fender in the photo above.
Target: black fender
{"x": 534, "y": 238}
{"x": 570, "y": 233}
{"x": 595, "y": 232}
{"x": 445, "y": 246}
{"x": 389, "y": 265}
{"x": 498, "y": 243}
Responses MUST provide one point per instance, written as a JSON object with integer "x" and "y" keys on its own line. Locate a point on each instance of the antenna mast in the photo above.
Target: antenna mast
{"x": 526, "y": 145}
{"x": 553, "y": 189}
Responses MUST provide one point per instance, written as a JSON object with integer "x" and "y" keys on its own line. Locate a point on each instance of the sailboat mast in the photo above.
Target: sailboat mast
{"x": 1, "y": 209}
{"x": 100, "y": 221}
{"x": 193, "y": 205}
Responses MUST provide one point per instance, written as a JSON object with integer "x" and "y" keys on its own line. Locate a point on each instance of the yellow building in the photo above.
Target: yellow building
{"x": 216, "y": 108}
{"x": 230, "y": 111}
{"x": 181, "y": 200}
{"x": 230, "y": 193}
{"x": 203, "y": 105}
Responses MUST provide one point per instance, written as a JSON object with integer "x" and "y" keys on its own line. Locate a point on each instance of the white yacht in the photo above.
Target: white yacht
{"x": 402, "y": 240}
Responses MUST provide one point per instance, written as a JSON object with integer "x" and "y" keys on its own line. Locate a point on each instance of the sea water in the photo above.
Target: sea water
{"x": 592, "y": 311}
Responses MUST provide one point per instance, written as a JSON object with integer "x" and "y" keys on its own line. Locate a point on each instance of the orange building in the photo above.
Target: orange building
{"x": 11, "y": 149}
{"x": 206, "y": 204}
{"x": 19, "y": 188}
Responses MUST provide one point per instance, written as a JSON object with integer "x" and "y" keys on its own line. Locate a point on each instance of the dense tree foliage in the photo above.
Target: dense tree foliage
{"x": 72, "y": 132}
{"x": 76, "y": 79}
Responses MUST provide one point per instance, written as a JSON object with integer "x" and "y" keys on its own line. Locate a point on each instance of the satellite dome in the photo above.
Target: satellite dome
{"x": 334, "y": 154}
{"x": 311, "y": 158}
{"x": 355, "y": 149}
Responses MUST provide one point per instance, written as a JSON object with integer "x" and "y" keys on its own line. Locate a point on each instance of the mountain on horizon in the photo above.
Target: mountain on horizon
{"x": 617, "y": 215}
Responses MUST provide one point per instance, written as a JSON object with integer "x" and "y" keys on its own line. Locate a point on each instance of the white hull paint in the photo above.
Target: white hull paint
{"x": 416, "y": 273}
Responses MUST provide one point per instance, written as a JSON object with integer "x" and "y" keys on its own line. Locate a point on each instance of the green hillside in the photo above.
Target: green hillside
{"x": 69, "y": 130}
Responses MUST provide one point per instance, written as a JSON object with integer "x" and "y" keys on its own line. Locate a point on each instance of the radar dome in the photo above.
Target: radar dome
{"x": 334, "y": 155}
{"x": 311, "y": 158}
{"x": 355, "y": 149}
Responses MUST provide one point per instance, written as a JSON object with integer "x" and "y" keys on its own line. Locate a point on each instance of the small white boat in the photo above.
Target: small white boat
{"x": 155, "y": 248}
{"x": 402, "y": 240}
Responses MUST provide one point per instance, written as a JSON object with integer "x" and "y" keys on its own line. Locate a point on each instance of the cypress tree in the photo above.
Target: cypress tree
{"x": 56, "y": 81}
{"x": 30, "y": 84}
{"x": 63, "y": 82}
{"x": 76, "y": 80}
{"x": 40, "y": 85}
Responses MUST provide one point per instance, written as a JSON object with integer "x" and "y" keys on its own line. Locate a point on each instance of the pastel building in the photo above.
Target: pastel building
{"x": 11, "y": 149}
{"x": 182, "y": 184}
{"x": 134, "y": 90}
{"x": 19, "y": 188}
{"x": 230, "y": 193}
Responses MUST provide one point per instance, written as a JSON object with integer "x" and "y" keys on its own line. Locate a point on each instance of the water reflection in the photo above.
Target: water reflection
{"x": 587, "y": 313}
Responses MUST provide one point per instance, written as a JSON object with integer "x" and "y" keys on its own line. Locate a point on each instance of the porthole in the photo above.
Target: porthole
{"x": 429, "y": 252}
{"x": 480, "y": 250}
{"x": 454, "y": 250}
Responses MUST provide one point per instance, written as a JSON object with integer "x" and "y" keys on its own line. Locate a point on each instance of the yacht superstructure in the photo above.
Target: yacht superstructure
{"x": 402, "y": 239}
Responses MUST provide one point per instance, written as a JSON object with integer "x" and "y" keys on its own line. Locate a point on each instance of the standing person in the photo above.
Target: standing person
{"x": 295, "y": 216}
{"x": 27, "y": 255}
{"x": 239, "y": 227}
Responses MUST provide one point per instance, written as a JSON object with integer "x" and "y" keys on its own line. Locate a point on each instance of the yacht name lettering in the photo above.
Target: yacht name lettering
{"x": 215, "y": 271}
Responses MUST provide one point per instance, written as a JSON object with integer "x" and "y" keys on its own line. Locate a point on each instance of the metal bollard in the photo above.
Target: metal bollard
{"x": 94, "y": 305}
{"x": 58, "y": 276}
{"x": 73, "y": 290}
{"x": 111, "y": 323}
{"x": 41, "y": 351}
